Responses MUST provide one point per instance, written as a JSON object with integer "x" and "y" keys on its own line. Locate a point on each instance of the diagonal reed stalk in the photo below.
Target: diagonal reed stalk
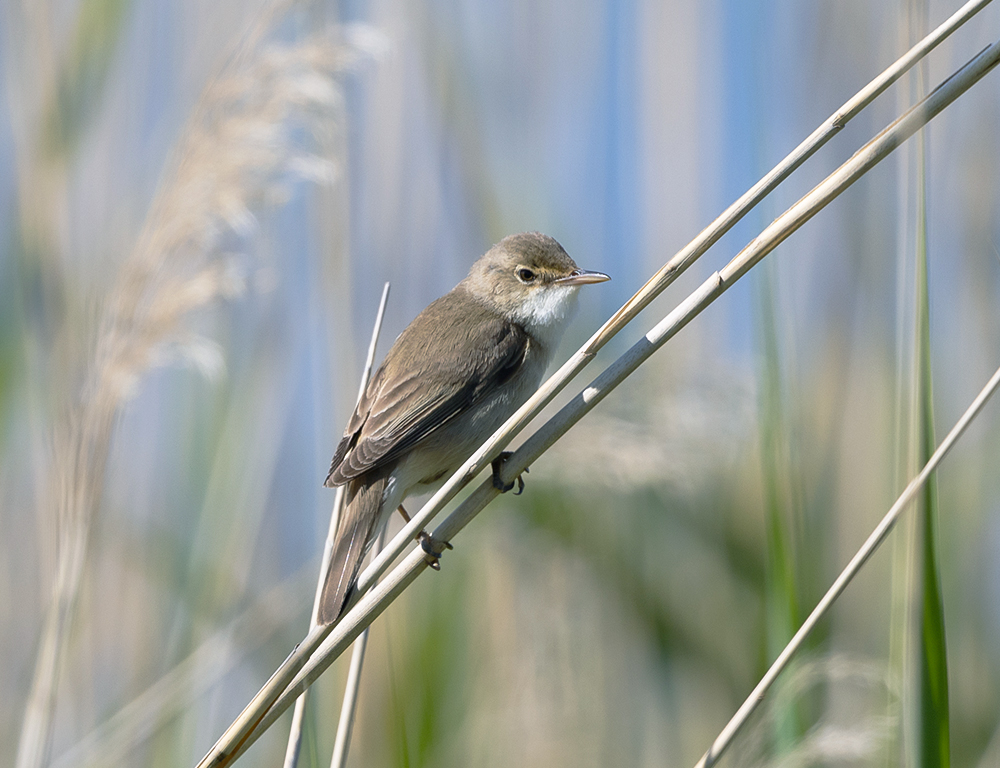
{"x": 351, "y": 691}
{"x": 915, "y": 486}
{"x": 321, "y": 646}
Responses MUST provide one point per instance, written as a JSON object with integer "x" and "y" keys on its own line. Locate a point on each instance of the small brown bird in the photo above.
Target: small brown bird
{"x": 457, "y": 372}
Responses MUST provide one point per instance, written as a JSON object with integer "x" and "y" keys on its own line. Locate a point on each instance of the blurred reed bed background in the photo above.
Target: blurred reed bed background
{"x": 200, "y": 204}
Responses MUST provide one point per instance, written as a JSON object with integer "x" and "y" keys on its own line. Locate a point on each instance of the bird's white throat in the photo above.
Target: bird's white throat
{"x": 546, "y": 312}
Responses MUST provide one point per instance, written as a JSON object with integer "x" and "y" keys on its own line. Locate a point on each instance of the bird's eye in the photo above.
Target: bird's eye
{"x": 525, "y": 275}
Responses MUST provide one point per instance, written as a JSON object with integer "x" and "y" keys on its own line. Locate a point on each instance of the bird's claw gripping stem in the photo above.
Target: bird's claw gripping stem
{"x": 498, "y": 483}
{"x": 433, "y": 549}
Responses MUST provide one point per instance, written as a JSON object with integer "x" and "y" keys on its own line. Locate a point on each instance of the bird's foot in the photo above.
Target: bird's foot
{"x": 433, "y": 549}
{"x": 498, "y": 483}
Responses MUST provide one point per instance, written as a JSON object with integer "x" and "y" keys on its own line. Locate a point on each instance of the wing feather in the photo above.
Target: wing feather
{"x": 449, "y": 363}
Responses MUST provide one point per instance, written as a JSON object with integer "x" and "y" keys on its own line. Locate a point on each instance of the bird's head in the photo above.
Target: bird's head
{"x": 532, "y": 281}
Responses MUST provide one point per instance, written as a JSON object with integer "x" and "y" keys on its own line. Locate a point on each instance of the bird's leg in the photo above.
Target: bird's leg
{"x": 402, "y": 511}
{"x": 433, "y": 548}
{"x": 497, "y": 465}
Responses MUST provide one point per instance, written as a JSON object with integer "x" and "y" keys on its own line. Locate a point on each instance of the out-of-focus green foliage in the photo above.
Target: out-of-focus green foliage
{"x": 782, "y": 593}
{"x": 82, "y": 74}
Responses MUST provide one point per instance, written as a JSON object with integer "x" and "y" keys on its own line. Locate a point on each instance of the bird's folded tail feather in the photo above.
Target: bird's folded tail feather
{"x": 355, "y": 532}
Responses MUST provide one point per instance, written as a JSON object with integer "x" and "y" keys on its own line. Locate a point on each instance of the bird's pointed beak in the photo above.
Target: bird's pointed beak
{"x": 582, "y": 277}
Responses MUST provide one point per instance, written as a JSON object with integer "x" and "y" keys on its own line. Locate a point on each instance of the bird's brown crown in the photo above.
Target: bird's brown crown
{"x": 519, "y": 263}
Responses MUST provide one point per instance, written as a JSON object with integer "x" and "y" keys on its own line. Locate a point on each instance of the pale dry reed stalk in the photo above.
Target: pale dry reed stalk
{"x": 322, "y": 645}
{"x": 872, "y": 543}
{"x": 242, "y": 149}
{"x": 350, "y": 699}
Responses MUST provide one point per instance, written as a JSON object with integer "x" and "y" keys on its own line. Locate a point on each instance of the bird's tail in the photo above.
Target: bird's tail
{"x": 355, "y": 531}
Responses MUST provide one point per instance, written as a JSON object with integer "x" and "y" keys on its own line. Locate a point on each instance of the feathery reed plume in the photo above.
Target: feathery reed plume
{"x": 272, "y": 116}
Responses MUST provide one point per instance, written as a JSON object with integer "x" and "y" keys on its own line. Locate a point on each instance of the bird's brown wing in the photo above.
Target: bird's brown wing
{"x": 442, "y": 365}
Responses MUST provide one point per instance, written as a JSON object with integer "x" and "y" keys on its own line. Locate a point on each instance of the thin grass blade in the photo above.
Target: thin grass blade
{"x": 932, "y": 728}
